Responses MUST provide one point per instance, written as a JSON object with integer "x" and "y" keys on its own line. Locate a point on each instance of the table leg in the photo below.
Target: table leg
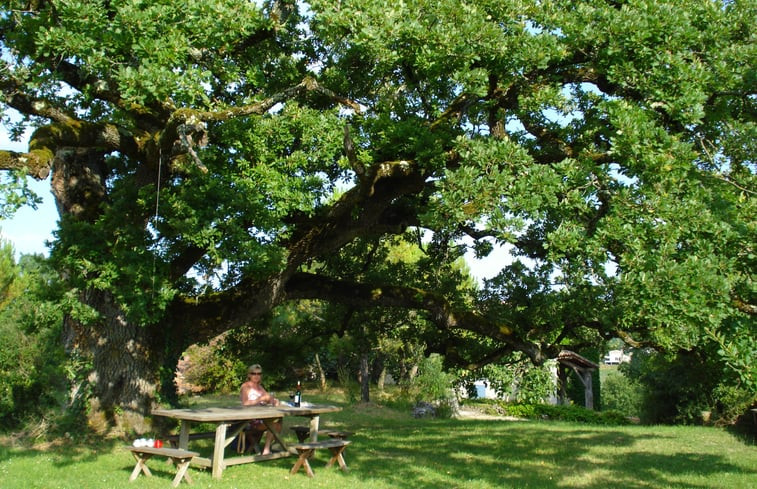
{"x": 269, "y": 423}
{"x": 336, "y": 456}
{"x": 182, "y": 465}
{"x": 141, "y": 465}
{"x": 314, "y": 423}
{"x": 184, "y": 434}
{"x": 302, "y": 461}
{"x": 218, "y": 449}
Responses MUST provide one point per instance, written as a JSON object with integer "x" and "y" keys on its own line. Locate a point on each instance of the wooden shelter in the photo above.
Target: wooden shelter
{"x": 568, "y": 360}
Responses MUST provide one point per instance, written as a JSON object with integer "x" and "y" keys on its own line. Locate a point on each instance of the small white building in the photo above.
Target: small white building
{"x": 484, "y": 390}
{"x": 616, "y": 357}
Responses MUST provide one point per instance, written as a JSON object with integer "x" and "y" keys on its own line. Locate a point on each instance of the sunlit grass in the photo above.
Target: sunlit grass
{"x": 393, "y": 450}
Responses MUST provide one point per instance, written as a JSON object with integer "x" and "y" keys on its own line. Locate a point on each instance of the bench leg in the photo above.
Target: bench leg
{"x": 303, "y": 461}
{"x": 141, "y": 466}
{"x": 182, "y": 464}
{"x": 336, "y": 456}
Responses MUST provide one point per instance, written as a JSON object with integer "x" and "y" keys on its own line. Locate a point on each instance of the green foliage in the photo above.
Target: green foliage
{"x": 432, "y": 384}
{"x": 731, "y": 403}
{"x": 212, "y": 369}
{"x": 535, "y": 385}
{"x": 32, "y": 378}
{"x": 607, "y": 146}
{"x": 571, "y": 413}
{"x": 349, "y": 385}
{"x": 501, "y": 379}
{"x": 738, "y": 350}
{"x": 622, "y": 394}
{"x": 15, "y": 193}
{"x": 678, "y": 388}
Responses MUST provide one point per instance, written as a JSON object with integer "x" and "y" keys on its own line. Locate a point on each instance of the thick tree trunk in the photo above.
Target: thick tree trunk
{"x": 124, "y": 360}
{"x": 125, "y": 357}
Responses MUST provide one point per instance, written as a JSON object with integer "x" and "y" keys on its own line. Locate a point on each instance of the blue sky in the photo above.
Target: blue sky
{"x": 30, "y": 229}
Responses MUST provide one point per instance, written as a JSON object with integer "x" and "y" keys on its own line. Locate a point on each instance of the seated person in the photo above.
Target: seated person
{"x": 253, "y": 394}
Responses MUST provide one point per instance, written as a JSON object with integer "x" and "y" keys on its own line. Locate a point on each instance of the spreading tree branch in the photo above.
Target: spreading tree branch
{"x": 443, "y": 314}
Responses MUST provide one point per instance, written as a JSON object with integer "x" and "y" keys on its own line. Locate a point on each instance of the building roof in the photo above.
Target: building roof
{"x": 573, "y": 359}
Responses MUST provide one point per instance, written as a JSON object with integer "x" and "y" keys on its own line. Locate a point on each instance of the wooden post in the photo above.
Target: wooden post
{"x": 218, "y": 448}
{"x": 314, "y": 423}
{"x": 588, "y": 389}
{"x": 184, "y": 434}
{"x": 562, "y": 374}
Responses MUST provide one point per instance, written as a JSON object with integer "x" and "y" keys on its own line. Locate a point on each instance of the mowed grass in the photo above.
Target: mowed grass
{"x": 391, "y": 449}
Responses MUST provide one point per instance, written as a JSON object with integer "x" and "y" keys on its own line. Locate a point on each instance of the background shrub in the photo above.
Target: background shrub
{"x": 571, "y": 413}
{"x": 33, "y": 381}
{"x": 621, "y": 394}
{"x": 207, "y": 368}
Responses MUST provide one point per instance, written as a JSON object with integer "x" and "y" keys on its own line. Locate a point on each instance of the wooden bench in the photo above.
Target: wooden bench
{"x": 303, "y": 432}
{"x": 342, "y": 435}
{"x": 306, "y": 450}
{"x": 174, "y": 439}
{"x": 180, "y": 458}
{"x": 241, "y": 442}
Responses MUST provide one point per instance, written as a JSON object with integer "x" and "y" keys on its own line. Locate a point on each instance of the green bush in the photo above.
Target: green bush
{"x": 621, "y": 394}
{"x": 571, "y": 413}
{"x": 679, "y": 387}
{"x": 432, "y": 383}
{"x": 350, "y": 387}
{"x": 499, "y": 377}
{"x": 731, "y": 402}
{"x": 535, "y": 385}
{"x": 210, "y": 369}
{"x": 32, "y": 363}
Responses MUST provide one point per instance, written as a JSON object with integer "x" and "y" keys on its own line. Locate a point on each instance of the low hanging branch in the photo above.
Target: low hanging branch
{"x": 310, "y": 286}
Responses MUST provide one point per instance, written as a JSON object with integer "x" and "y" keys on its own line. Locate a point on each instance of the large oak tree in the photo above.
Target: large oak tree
{"x": 212, "y": 159}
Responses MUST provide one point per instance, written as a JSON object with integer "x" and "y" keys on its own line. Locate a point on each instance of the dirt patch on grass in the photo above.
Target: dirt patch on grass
{"x": 475, "y": 412}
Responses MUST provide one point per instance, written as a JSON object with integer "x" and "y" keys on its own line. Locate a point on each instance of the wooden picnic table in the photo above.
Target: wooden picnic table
{"x": 231, "y": 421}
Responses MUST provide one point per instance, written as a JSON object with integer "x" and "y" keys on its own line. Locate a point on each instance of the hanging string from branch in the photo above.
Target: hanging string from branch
{"x": 157, "y": 216}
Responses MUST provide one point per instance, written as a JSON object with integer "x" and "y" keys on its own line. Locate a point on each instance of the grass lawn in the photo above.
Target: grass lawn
{"x": 390, "y": 449}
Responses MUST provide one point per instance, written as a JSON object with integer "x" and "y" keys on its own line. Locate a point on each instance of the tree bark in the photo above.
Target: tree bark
{"x": 381, "y": 380}
{"x": 124, "y": 360}
{"x": 321, "y": 373}
{"x": 365, "y": 378}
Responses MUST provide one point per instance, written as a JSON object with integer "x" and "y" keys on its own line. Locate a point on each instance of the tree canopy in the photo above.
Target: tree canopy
{"x": 212, "y": 159}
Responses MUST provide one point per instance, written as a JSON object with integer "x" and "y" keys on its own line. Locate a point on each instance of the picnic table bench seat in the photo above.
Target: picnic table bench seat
{"x": 180, "y": 458}
{"x": 303, "y": 432}
{"x": 174, "y": 439}
{"x": 241, "y": 442}
{"x": 307, "y": 449}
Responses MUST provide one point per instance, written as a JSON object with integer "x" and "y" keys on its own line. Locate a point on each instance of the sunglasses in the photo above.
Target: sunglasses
{"x": 254, "y": 373}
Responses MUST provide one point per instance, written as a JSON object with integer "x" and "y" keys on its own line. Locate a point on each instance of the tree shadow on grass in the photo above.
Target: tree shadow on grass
{"x": 544, "y": 455}
{"x": 61, "y": 453}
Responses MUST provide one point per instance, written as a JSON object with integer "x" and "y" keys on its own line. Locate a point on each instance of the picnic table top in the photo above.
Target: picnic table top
{"x": 239, "y": 413}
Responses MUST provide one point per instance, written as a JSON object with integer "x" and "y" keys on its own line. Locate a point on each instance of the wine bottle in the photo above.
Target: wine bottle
{"x": 298, "y": 395}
